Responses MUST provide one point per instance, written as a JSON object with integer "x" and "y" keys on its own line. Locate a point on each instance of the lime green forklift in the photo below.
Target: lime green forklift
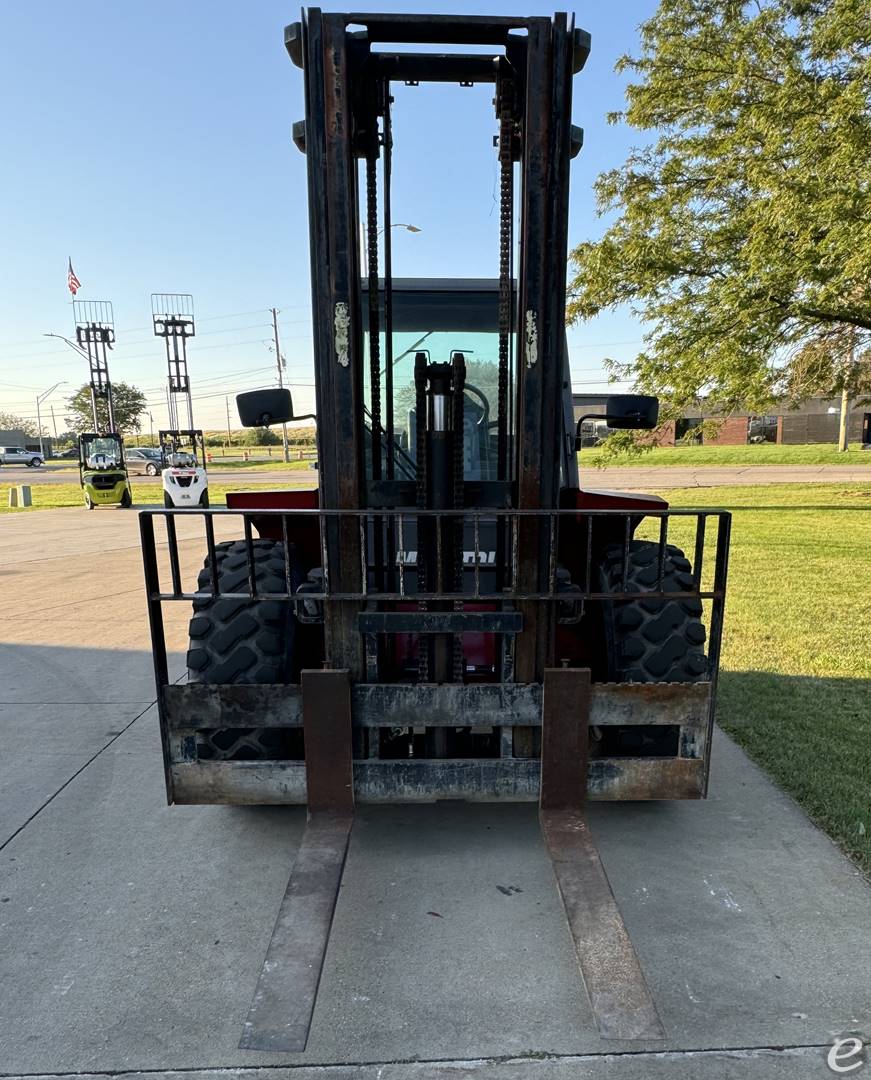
{"x": 102, "y": 469}
{"x": 103, "y": 472}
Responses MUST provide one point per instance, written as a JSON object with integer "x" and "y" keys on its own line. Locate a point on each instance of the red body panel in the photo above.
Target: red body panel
{"x": 303, "y": 532}
{"x": 479, "y": 649}
{"x": 583, "y": 499}
{"x": 273, "y": 500}
{"x": 596, "y": 499}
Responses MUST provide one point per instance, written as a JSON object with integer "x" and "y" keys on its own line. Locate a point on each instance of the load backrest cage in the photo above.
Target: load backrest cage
{"x": 511, "y": 705}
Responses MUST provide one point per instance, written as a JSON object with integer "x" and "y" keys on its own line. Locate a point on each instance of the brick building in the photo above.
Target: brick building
{"x": 816, "y": 421}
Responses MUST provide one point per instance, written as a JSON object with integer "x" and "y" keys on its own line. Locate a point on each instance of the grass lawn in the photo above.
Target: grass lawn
{"x": 795, "y": 689}
{"x": 763, "y": 454}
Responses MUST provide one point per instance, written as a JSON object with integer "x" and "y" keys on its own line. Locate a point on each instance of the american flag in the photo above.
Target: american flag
{"x": 73, "y": 282}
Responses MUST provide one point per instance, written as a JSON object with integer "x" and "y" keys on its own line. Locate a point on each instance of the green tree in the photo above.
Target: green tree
{"x": 11, "y": 422}
{"x": 260, "y": 437}
{"x": 740, "y": 231}
{"x": 829, "y": 365}
{"x": 128, "y": 405}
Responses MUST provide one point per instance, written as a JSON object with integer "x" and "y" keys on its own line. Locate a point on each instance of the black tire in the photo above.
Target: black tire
{"x": 651, "y": 640}
{"x": 167, "y": 501}
{"x": 245, "y": 641}
{"x": 152, "y": 470}
{"x": 34, "y": 463}
{"x": 126, "y": 500}
{"x": 204, "y": 500}
{"x": 88, "y": 503}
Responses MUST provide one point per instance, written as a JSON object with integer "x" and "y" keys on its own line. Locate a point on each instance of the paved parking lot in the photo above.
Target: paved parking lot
{"x": 132, "y": 934}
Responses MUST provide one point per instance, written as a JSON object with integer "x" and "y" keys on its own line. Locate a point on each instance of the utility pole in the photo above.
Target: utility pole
{"x": 845, "y": 394}
{"x": 280, "y": 378}
{"x": 53, "y": 423}
{"x": 150, "y": 429}
{"x": 229, "y": 437}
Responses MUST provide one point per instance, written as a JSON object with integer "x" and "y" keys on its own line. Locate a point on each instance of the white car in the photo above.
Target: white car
{"x": 17, "y": 455}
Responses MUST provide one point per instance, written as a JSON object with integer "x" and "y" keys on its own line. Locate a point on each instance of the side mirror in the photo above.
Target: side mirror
{"x": 632, "y": 412}
{"x": 260, "y": 408}
{"x": 626, "y": 412}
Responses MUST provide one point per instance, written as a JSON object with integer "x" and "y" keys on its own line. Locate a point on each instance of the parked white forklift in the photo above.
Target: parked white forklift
{"x": 183, "y": 469}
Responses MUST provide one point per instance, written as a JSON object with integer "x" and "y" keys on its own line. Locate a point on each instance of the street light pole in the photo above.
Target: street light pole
{"x": 72, "y": 344}
{"x": 396, "y": 225}
{"x": 39, "y": 400}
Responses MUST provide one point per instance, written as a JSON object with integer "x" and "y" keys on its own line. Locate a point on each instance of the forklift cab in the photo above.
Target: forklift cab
{"x": 102, "y": 471}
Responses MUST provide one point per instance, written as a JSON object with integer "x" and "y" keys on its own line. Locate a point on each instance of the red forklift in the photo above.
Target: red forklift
{"x": 449, "y": 615}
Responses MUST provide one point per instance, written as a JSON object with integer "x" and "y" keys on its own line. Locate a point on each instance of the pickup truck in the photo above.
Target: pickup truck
{"x": 17, "y": 455}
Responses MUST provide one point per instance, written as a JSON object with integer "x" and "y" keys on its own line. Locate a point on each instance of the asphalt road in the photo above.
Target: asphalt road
{"x": 638, "y": 478}
{"x": 132, "y": 934}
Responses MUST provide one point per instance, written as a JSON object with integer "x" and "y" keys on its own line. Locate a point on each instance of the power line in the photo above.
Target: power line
{"x": 141, "y": 329}
{"x": 211, "y": 378}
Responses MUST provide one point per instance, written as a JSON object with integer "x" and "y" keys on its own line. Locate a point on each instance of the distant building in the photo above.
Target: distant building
{"x": 816, "y": 421}
{"x": 16, "y": 437}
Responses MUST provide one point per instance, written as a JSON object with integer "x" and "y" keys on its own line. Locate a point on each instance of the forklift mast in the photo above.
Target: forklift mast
{"x": 348, "y": 75}
{"x": 172, "y": 317}
{"x": 95, "y": 334}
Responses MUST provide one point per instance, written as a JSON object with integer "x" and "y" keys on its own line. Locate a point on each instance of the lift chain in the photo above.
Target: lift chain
{"x": 457, "y": 422}
{"x": 386, "y": 166}
{"x": 374, "y": 322}
{"x": 420, "y": 366}
{"x": 505, "y": 101}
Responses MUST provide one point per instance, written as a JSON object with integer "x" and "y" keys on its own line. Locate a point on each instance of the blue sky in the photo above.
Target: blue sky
{"x": 151, "y": 142}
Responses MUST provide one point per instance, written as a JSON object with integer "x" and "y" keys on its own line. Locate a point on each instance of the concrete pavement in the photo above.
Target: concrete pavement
{"x": 131, "y": 934}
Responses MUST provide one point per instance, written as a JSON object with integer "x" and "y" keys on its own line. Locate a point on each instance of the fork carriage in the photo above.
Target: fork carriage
{"x": 478, "y": 738}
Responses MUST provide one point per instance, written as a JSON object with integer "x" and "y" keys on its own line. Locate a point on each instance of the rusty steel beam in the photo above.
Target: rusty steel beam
{"x": 282, "y": 783}
{"x": 326, "y": 718}
{"x": 565, "y": 738}
{"x": 193, "y": 707}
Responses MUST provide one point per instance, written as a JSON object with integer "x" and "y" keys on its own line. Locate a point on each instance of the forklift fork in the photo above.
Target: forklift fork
{"x": 620, "y": 999}
{"x": 281, "y": 1010}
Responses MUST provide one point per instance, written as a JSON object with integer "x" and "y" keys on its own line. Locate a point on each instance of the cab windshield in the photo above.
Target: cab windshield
{"x": 440, "y": 322}
{"x": 102, "y": 452}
